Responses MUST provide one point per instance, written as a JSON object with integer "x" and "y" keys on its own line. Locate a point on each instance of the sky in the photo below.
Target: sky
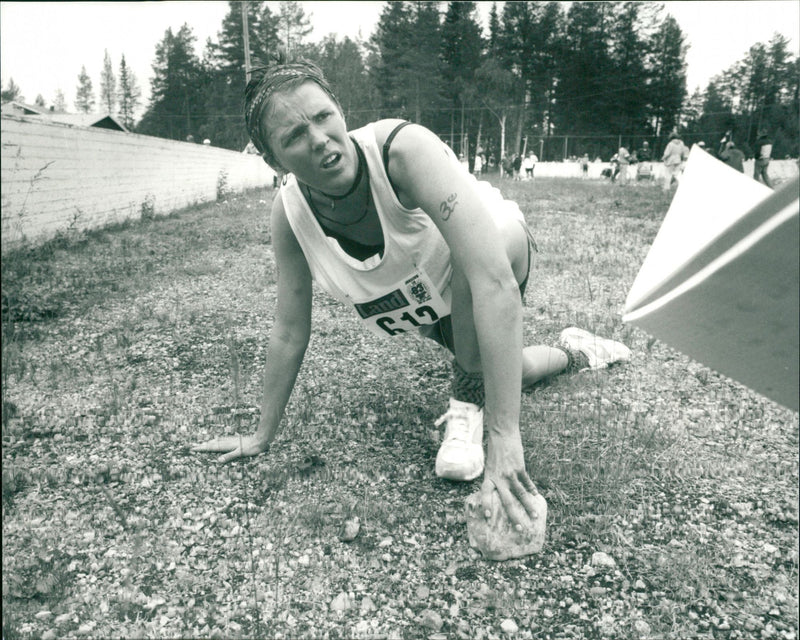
{"x": 44, "y": 44}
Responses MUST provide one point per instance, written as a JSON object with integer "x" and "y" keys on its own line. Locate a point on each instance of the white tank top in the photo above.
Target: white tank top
{"x": 409, "y": 285}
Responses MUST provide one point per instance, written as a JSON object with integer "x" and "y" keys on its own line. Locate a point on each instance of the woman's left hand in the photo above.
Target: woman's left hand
{"x": 505, "y": 472}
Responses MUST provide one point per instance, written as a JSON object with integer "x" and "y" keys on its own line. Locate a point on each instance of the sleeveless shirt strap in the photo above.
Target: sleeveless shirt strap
{"x": 386, "y": 146}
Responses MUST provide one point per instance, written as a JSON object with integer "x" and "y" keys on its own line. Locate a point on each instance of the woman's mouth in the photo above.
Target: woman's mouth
{"x": 330, "y": 160}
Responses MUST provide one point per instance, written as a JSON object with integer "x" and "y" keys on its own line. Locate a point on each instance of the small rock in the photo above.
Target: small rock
{"x": 496, "y": 538}
{"x": 603, "y": 560}
{"x": 63, "y": 618}
{"x": 547, "y": 613}
{"x": 606, "y": 624}
{"x": 43, "y": 615}
{"x": 423, "y": 592}
{"x": 431, "y": 620}
{"x": 598, "y": 591}
{"x": 386, "y": 542}
{"x": 341, "y": 603}
{"x": 771, "y": 549}
{"x": 50, "y": 634}
{"x": 367, "y": 605}
{"x": 639, "y": 585}
{"x": 575, "y": 609}
{"x": 350, "y": 529}
{"x": 509, "y": 626}
{"x": 86, "y": 629}
{"x": 642, "y": 628}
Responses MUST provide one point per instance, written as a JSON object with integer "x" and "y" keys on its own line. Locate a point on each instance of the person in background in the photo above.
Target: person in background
{"x": 517, "y": 165}
{"x": 478, "y": 165}
{"x": 763, "y": 156}
{"x": 386, "y": 220}
{"x": 585, "y": 166}
{"x": 732, "y": 156}
{"x": 675, "y": 155}
{"x": 623, "y": 160}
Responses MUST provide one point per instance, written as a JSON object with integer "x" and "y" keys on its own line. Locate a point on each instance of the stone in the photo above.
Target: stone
{"x": 431, "y": 620}
{"x": 350, "y": 529}
{"x": 367, "y": 605}
{"x": 509, "y": 626}
{"x": 496, "y": 537}
{"x": 642, "y": 628}
{"x": 603, "y": 560}
{"x": 341, "y": 603}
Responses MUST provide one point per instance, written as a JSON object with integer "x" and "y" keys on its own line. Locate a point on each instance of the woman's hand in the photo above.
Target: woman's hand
{"x": 505, "y": 471}
{"x": 234, "y": 447}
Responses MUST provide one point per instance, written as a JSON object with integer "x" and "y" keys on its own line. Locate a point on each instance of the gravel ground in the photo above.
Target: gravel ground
{"x": 672, "y": 492}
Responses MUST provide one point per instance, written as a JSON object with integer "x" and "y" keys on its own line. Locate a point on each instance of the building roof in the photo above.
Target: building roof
{"x": 99, "y": 120}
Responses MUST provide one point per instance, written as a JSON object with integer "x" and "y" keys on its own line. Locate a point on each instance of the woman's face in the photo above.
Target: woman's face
{"x": 308, "y": 137}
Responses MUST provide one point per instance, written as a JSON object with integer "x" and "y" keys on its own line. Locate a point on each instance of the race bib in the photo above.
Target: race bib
{"x": 407, "y": 305}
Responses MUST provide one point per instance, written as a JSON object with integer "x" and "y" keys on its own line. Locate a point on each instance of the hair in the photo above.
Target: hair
{"x": 267, "y": 80}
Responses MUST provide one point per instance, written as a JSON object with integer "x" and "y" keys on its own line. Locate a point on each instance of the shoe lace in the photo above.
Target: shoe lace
{"x": 457, "y": 424}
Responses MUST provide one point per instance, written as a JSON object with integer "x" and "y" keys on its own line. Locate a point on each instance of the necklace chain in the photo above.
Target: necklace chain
{"x": 356, "y": 183}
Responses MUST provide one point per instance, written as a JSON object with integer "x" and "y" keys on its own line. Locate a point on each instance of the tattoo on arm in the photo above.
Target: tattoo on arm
{"x": 448, "y": 206}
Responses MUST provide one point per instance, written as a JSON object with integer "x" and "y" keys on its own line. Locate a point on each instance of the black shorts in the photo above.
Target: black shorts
{"x": 442, "y": 330}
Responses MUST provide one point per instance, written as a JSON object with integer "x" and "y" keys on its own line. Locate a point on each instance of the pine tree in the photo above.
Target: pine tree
{"x": 667, "y": 70}
{"x": 128, "y": 93}
{"x": 108, "y": 85}
{"x": 583, "y": 102}
{"x": 176, "y": 98}
{"x": 39, "y": 102}
{"x": 12, "y": 92}
{"x": 59, "y": 103}
{"x": 461, "y": 49}
{"x": 295, "y": 25}
{"x": 84, "y": 95}
{"x": 224, "y": 65}
{"x": 407, "y": 68}
{"x": 342, "y": 63}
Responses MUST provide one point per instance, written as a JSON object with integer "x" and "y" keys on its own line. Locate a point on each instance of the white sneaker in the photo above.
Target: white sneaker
{"x": 601, "y": 352}
{"x": 461, "y": 455}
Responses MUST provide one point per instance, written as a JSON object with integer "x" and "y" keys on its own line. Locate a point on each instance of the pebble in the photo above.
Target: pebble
{"x": 341, "y": 603}
{"x": 606, "y": 624}
{"x": 601, "y": 559}
{"x": 350, "y": 529}
{"x": 575, "y": 609}
{"x": 598, "y": 591}
{"x": 63, "y": 618}
{"x": 50, "y": 634}
{"x": 639, "y": 585}
{"x": 367, "y": 605}
{"x": 423, "y": 592}
{"x": 642, "y": 628}
{"x": 509, "y": 626}
{"x": 430, "y": 619}
{"x": 43, "y": 614}
{"x": 770, "y": 548}
{"x": 362, "y": 628}
{"x": 547, "y": 613}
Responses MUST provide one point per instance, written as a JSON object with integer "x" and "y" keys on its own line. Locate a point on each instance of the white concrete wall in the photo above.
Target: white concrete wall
{"x": 55, "y": 176}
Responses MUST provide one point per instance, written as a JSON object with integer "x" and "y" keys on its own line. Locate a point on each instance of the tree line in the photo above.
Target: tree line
{"x": 561, "y": 80}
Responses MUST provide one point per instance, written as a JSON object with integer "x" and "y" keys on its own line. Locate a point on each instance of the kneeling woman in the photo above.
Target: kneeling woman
{"x": 387, "y": 221}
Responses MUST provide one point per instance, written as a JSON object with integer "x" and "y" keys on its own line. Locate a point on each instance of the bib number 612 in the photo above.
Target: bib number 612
{"x": 394, "y": 324}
